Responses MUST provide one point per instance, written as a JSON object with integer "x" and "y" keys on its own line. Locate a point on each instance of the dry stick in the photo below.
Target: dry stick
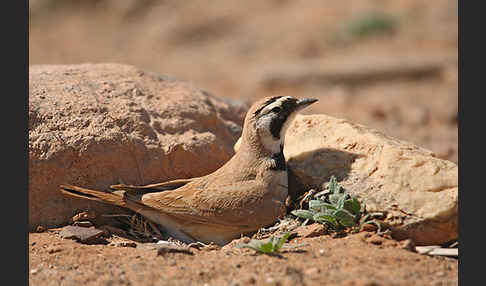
{"x": 154, "y": 228}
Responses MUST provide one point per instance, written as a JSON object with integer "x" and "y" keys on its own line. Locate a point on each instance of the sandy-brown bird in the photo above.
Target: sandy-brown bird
{"x": 246, "y": 193}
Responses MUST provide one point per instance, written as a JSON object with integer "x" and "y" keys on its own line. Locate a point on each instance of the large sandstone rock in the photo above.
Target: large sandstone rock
{"x": 417, "y": 191}
{"x": 94, "y": 125}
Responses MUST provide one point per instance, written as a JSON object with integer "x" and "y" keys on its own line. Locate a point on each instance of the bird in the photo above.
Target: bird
{"x": 245, "y": 194}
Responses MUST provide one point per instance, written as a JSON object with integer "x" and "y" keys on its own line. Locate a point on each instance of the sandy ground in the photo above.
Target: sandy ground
{"x": 358, "y": 259}
{"x": 234, "y": 49}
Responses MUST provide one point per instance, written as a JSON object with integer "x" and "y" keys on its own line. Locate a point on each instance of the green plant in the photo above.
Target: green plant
{"x": 267, "y": 246}
{"x": 333, "y": 207}
{"x": 371, "y": 24}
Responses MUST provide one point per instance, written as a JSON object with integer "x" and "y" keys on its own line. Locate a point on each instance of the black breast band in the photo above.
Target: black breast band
{"x": 279, "y": 160}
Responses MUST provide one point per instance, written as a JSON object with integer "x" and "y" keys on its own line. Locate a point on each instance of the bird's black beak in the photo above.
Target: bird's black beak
{"x": 303, "y": 103}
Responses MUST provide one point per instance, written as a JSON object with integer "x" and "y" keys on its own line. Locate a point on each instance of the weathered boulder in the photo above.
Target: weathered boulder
{"x": 94, "y": 125}
{"x": 417, "y": 191}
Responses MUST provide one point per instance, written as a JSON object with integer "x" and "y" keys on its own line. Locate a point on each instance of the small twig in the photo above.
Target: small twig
{"x": 154, "y": 228}
{"x": 115, "y": 215}
{"x": 306, "y": 196}
{"x": 169, "y": 249}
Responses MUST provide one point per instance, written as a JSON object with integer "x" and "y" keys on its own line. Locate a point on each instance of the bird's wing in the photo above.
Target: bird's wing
{"x": 238, "y": 205}
{"x": 164, "y": 186}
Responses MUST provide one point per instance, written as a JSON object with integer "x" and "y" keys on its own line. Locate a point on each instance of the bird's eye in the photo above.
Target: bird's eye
{"x": 276, "y": 109}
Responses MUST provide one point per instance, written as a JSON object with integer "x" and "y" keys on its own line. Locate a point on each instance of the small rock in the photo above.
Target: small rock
{"x": 40, "y": 228}
{"x": 313, "y": 230}
{"x": 34, "y": 271}
{"x": 375, "y": 239}
{"x": 408, "y": 244}
{"x": 81, "y": 234}
{"x": 171, "y": 249}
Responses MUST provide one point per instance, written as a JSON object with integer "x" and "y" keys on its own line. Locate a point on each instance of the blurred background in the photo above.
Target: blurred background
{"x": 390, "y": 65}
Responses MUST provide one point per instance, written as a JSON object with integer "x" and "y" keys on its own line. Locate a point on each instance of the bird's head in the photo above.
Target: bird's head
{"x": 267, "y": 121}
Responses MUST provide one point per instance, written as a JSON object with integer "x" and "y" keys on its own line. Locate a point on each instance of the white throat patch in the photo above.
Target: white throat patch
{"x": 268, "y": 141}
{"x": 263, "y": 126}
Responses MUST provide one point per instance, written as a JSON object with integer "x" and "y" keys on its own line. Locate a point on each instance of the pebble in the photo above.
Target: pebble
{"x": 81, "y": 234}
{"x": 408, "y": 244}
{"x": 375, "y": 239}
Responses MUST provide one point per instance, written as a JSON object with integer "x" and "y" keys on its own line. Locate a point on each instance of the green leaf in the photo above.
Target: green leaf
{"x": 326, "y": 218}
{"x": 302, "y": 214}
{"x": 333, "y": 185}
{"x": 344, "y": 217}
{"x": 266, "y": 247}
{"x": 352, "y": 205}
{"x": 281, "y": 241}
{"x": 318, "y": 205}
{"x": 273, "y": 241}
{"x": 256, "y": 243}
{"x": 269, "y": 245}
{"x": 340, "y": 202}
{"x": 253, "y": 244}
{"x": 340, "y": 189}
{"x": 334, "y": 198}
